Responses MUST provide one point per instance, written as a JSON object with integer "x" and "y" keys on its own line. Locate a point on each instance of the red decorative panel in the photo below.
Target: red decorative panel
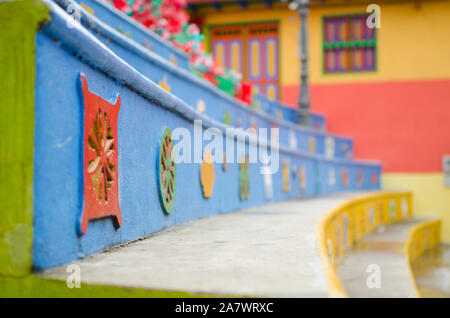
{"x": 100, "y": 168}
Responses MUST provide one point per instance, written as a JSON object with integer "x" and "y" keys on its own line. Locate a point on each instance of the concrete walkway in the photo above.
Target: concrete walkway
{"x": 265, "y": 251}
{"x": 386, "y": 248}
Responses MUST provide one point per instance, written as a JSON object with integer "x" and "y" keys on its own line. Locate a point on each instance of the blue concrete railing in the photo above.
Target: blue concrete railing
{"x": 218, "y": 104}
{"x": 333, "y": 147}
{"x": 119, "y": 21}
{"x": 280, "y": 110}
{"x": 145, "y": 111}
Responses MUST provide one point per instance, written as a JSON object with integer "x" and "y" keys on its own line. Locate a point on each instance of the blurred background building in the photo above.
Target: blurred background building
{"x": 388, "y": 87}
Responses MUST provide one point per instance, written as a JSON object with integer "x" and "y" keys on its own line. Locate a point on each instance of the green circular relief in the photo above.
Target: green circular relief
{"x": 167, "y": 171}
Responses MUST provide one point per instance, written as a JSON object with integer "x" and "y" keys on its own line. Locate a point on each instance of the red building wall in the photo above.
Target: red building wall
{"x": 405, "y": 124}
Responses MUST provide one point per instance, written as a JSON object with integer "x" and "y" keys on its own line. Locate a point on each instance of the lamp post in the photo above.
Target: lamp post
{"x": 304, "y": 100}
{"x": 302, "y": 7}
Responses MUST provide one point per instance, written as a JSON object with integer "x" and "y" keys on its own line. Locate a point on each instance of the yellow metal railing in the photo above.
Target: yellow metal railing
{"x": 339, "y": 230}
{"x": 422, "y": 237}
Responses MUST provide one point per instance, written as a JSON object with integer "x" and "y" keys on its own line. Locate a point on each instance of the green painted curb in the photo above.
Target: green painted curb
{"x": 35, "y": 287}
{"x": 20, "y": 22}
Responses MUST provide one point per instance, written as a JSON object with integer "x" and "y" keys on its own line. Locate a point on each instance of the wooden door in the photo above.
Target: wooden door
{"x": 251, "y": 50}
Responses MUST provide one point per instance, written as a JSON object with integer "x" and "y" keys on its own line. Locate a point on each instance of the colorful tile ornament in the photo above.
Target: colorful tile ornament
{"x": 207, "y": 175}
{"x": 239, "y": 122}
{"x": 87, "y": 8}
{"x": 253, "y": 125}
{"x": 285, "y": 173}
{"x": 267, "y": 177}
{"x": 344, "y": 147}
{"x": 329, "y": 147}
{"x": 317, "y": 183}
{"x": 167, "y": 171}
{"x": 100, "y": 169}
{"x": 331, "y": 177}
{"x": 227, "y": 118}
{"x": 303, "y": 178}
{"x": 374, "y": 178}
{"x": 173, "y": 60}
{"x": 279, "y": 114}
{"x": 148, "y": 46}
{"x": 164, "y": 84}
{"x": 294, "y": 171}
{"x": 292, "y": 140}
{"x": 224, "y": 162}
{"x": 244, "y": 188}
{"x": 201, "y": 106}
{"x": 345, "y": 177}
{"x": 312, "y": 144}
{"x": 127, "y": 34}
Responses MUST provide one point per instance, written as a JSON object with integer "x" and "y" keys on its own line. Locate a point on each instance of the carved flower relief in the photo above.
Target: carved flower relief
{"x": 101, "y": 168}
{"x": 285, "y": 174}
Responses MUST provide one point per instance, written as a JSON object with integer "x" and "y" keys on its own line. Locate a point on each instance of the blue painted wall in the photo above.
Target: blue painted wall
{"x": 145, "y": 111}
